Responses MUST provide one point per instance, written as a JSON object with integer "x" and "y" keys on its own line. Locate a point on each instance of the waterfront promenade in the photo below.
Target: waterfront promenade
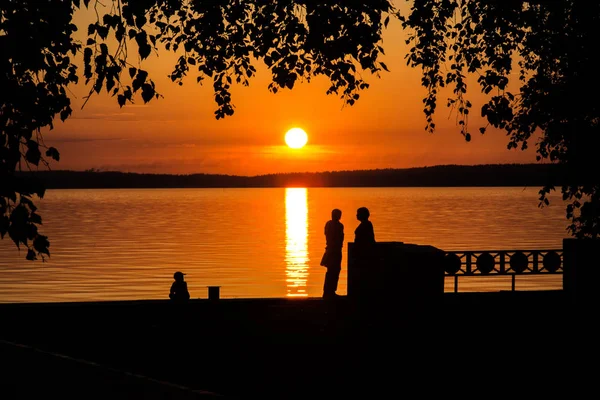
{"x": 466, "y": 344}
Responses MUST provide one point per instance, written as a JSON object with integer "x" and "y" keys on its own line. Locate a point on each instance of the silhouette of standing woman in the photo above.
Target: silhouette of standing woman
{"x": 364, "y": 241}
{"x": 364, "y": 235}
{"x": 332, "y": 259}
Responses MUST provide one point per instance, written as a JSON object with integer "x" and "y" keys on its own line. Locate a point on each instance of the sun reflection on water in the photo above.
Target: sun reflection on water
{"x": 296, "y": 238}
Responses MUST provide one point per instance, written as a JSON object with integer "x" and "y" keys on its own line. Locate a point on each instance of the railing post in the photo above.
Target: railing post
{"x": 468, "y": 262}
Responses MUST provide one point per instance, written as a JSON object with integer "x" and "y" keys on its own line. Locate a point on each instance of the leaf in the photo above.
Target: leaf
{"x": 119, "y": 32}
{"x": 110, "y": 83}
{"x": 132, "y": 72}
{"x": 65, "y": 113}
{"x": 102, "y": 31}
{"x": 144, "y": 48}
{"x": 31, "y": 256}
{"x": 140, "y": 21}
{"x": 98, "y": 85}
{"x": 53, "y": 153}
{"x": 145, "y": 51}
{"x": 4, "y": 222}
{"x": 147, "y": 92}
{"x": 107, "y": 19}
{"x": 33, "y": 154}
{"x": 18, "y": 225}
{"x": 41, "y": 244}
{"x": 140, "y": 78}
{"x": 14, "y": 238}
{"x": 40, "y": 189}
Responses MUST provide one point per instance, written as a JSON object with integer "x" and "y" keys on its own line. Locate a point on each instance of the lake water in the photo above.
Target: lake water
{"x": 125, "y": 244}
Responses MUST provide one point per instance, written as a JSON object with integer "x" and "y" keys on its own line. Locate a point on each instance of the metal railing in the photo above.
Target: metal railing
{"x": 502, "y": 262}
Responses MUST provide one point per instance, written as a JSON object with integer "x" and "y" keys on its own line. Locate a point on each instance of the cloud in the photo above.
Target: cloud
{"x": 170, "y": 166}
{"x": 110, "y": 116}
{"x": 81, "y": 139}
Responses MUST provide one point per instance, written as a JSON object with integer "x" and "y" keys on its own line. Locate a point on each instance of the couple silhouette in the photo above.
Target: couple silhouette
{"x": 364, "y": 238}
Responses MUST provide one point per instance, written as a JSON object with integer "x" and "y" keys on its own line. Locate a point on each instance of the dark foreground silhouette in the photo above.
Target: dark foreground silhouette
{"x": 468, "y": 345}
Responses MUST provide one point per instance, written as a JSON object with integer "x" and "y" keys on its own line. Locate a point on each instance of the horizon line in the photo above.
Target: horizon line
{"x": 94, "y": 170}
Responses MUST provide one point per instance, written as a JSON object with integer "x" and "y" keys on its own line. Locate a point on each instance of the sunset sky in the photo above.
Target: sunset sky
{"x": 179, "y": 133}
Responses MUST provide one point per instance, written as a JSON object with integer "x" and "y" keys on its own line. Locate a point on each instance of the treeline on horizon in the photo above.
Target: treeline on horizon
{"x": 435, "y": 176}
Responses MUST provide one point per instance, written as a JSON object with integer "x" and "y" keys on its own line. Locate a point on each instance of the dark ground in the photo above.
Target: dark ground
{"x": 482, "y": 345}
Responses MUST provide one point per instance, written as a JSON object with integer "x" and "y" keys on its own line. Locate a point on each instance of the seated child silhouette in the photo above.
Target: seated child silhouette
{"x": 179, "y": 290}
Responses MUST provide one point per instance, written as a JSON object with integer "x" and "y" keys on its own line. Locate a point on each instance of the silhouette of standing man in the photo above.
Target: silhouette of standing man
{"x": 332, "y": 259}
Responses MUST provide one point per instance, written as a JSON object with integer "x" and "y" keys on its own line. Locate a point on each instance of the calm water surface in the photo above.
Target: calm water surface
{"x": 126, "y": 243}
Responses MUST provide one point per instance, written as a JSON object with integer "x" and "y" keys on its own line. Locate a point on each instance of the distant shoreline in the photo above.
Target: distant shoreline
{"x": 487, "y": 175}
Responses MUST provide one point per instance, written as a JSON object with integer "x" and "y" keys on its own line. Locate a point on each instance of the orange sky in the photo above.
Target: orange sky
{"x": 179, "y": 133}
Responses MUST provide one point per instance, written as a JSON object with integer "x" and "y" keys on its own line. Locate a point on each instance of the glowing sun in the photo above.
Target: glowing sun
{"x": 296, "y": 138}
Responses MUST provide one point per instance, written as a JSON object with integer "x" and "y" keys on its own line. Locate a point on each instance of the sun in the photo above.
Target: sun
{"x": 296, "y": 138}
